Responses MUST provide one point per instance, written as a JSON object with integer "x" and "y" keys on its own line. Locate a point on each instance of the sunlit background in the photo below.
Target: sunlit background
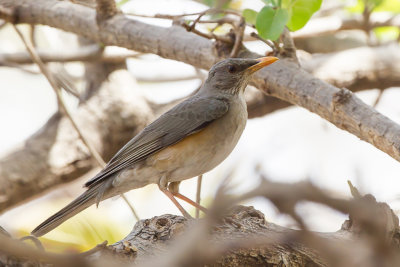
{"x": 289, "y": 145}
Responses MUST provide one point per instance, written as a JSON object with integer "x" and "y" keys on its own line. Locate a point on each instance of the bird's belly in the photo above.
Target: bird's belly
{"x": 202, "y": 151}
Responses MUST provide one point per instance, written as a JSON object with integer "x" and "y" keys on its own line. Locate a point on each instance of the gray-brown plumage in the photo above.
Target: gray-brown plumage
{"x": 188, "y": 140}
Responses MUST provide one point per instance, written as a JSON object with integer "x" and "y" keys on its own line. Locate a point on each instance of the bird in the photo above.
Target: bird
{"x": 188, "y": 140}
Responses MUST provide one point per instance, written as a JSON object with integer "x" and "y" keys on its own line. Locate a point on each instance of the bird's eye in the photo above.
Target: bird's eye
{"x": 232, "y": 69}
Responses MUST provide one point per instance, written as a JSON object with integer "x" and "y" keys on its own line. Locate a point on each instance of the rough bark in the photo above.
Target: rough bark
{"x": 231, "y": 235}
{"x": 242, "y": 237}
{"x": 55, "y": 155}
{"x": 153, "y": 238}
{"x": 283, "y": 79}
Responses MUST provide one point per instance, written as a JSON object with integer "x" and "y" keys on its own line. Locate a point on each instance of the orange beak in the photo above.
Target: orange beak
{"x": 263, "y": 62}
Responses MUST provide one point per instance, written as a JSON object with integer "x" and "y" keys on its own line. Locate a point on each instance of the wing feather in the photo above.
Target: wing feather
{"x": 187, "y": 118}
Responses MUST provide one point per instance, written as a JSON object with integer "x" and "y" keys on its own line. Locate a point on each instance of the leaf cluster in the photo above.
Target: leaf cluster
{"x": 276, "y": 14}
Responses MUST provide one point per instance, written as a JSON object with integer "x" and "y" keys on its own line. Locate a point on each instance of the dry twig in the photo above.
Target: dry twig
{"x": 198, "y": 194}
{"x": 54, "y": 85}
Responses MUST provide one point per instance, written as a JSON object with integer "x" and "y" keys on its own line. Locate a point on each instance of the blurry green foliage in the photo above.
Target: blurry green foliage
{"x": 122, "y": 2}
{"x": 391, "y": 6}
{"x": 83, "y": 232}
{"x": 387, "y": 33}
{"x": 376, "y": 6}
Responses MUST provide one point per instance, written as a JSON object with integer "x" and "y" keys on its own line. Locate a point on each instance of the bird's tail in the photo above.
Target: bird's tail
{"x": 90, "y": 196}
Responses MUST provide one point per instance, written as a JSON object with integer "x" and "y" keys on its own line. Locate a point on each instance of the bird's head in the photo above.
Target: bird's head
{"x": 232, "y": 75}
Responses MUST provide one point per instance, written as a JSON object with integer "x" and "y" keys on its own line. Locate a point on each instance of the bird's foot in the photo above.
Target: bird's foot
{"x": 172, "y": 198}
{"x": 173, "y": 187}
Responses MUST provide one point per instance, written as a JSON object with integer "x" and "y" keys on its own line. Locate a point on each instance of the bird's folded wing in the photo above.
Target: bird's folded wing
{"x": 187, "y": 118}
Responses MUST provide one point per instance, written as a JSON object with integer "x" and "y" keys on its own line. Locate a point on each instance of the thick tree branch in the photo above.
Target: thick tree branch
{"x": 284, "y": 79}
{"x": 359, "y": 68}
{"x": 240, "y": 236}
{"x": 231, "y": 235}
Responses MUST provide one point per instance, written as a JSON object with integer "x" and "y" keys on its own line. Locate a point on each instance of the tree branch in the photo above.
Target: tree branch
{"x": 240, "y": 236}
{"x": 231, "y": 235}
{"x": 55, "y": 155}
{"x": 358, "y": 68}
{"x": 283, "y": 79}
{"x": 105, "y": 9}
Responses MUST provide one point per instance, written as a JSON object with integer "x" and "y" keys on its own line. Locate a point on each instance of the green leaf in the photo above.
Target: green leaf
{"x": 301, "y": 11}
{"x": 250, "y": 15}
{"x": 270, "y": 22}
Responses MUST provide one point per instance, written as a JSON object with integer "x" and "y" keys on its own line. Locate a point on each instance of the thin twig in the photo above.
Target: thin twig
{"x": 94, "y": 250}
{"x": 130, "y": 207}
{"x": 4, "y": 232}
{"x": 267, "y": 42}
{"x": 211, "y": 35}
{"x": 378, "y": 98}
{"x": 173, "y": 17}
{"x": 88, "y": 53}
{"x": 353, "y": 190}
{"x": 18, "y": 66}
{"x": 199, "y": 15}
{"x": 53, "y": 83}
{"x": 168, "y": 79}
{"x": 238, "y": 37}
{"x": 32, "y": 33}
{"x": 198, "y": 194}
{"x": 220, "y": 21}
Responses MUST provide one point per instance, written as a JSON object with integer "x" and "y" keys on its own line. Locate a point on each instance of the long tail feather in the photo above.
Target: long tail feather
{"x": 82, "y": 202}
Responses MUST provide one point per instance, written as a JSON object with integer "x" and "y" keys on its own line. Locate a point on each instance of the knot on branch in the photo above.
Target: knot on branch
{"x": 105, "y": 9}
{"x": 341, "y": 97}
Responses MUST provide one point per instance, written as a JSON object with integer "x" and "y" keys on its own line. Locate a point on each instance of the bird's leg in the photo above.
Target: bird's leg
{"x": 181, "y": 209}
{"x": 163, "y": 187}
{"x": 173, "y": 187}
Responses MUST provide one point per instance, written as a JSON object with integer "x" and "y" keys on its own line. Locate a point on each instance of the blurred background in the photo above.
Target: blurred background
{"x": 289, "y": 145}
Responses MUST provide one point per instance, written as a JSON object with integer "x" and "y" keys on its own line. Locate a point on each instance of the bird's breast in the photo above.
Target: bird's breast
{"x": 204, "y": 150}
